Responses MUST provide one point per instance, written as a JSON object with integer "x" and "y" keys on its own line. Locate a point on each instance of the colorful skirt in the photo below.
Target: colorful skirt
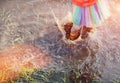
{"x": 90, "y": 15}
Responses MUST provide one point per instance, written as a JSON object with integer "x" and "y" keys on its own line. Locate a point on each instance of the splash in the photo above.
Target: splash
{"x": 17, "y": 58}
{"x": 106, "y": 37}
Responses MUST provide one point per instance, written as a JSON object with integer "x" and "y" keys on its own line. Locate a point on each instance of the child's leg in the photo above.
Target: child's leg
{"x": 75, "y": 32}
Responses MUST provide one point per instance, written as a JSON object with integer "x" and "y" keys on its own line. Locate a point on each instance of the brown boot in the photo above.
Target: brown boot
{"x": 89, "y": 29}
{"x": 85, "y": 32}
{"x": 67, "y": 28}
{"x": 74, "y": 35}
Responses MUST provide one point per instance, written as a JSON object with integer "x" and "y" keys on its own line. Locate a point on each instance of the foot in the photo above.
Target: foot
{"x": 67, "y": 28}
{"x": 85, "y": 32}
{"x": 75, "y": 35}
{"x": 75, "y": 32}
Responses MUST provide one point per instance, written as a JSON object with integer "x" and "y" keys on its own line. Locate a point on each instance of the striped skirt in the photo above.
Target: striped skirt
{"x": 90, "y": 16}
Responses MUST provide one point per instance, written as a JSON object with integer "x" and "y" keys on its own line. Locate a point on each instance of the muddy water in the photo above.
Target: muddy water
{"x": 31, "y": 21}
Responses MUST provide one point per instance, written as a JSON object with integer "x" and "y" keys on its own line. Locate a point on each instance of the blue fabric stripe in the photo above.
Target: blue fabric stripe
{"x": 77, "y": 11}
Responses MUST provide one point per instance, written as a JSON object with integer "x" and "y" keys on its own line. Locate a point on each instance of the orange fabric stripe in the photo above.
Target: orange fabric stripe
{"x": 83, "y": 3}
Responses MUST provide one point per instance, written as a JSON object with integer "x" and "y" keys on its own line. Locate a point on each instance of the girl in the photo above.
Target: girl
{"x": 86, "y": 14}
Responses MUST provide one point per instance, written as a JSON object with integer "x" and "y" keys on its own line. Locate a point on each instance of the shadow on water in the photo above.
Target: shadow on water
{"x": 52, "y": 44}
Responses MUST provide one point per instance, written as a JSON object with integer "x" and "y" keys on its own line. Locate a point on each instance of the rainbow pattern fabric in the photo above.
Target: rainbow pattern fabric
{"x": 91, "y": 15}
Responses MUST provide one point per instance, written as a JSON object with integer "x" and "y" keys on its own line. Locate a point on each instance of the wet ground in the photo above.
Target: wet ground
{"x": 31, "y": 22}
